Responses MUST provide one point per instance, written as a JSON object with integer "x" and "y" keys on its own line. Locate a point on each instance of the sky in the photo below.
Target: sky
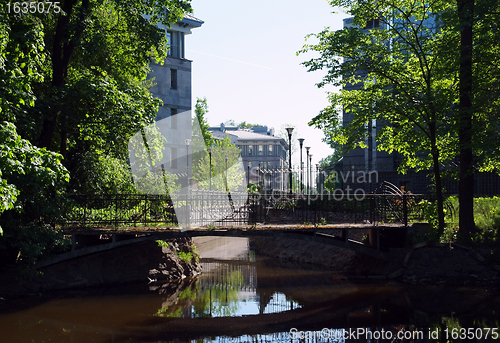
{"x": 245, "y": 64}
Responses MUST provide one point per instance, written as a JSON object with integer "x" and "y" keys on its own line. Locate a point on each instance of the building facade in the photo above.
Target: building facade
{"x": 264, "y": 155}
{"x": 173, "y": 86}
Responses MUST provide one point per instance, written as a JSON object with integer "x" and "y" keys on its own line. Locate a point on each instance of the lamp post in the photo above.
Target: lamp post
{"x": 188, "y": 224}
{"x": 225, "y": 156}
{"x": 289, "y": 130}
{"x": 307, "y": 169}
{"x": 317, "y": 178}
{"x": 210, "y": 149}
{"x": 187, "y": 141}
{"x": 249, "y": 165}
{"x": 301, "y": 142}
{"x": 310, "y": 173}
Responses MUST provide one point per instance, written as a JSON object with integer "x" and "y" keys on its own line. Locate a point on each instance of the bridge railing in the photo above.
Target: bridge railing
{"x": 119, "y": 210}
{"x": 326, "y": 208}
{"x": 205, "y": 208}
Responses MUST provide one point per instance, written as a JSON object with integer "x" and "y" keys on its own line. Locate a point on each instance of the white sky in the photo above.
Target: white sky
{"x": 245, "y": 64}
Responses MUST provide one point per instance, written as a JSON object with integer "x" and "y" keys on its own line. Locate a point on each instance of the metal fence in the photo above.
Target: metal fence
{"x": 205, "y": 208}
{"x": 119, "y": 210}
{"x": 336, "y": 208}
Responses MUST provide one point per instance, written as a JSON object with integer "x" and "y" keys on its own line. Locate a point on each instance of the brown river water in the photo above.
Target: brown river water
{"x": 243, "y": 297}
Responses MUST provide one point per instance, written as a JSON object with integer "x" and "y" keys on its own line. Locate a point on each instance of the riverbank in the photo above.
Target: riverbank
{"x": 420, "y": 264}
{"x": 130, "y": 263}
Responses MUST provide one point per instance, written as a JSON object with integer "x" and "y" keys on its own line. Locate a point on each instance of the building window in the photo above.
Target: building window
{"x": 261, "y": 150}
{"x": 173, "y": 158}
{"x": 175, "y": 44}
{"x": 372, "y": 24}
{"x": 270, "y": 150}
{"x": 173, "y": 78}
{"x": 250, "y": 150}
{"x": 173, "y": 118}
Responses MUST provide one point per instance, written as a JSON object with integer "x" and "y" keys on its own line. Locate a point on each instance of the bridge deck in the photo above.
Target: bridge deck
{"x": 207, "y": 231}
{"x": 89, "y": 240}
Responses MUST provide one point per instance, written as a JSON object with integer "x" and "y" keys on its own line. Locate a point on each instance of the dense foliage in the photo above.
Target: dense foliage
{"x": 73, "y": 91}
{"x": 409, "y": 73}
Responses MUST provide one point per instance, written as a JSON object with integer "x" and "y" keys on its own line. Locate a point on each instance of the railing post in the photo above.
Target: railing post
{"x": 372, "y": 208}
{"x": 405, "y": 209}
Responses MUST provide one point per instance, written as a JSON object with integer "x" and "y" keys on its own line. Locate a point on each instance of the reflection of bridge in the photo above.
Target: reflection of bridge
{"x": 357, "y": 310}
{"x": 277, "y": 312}
{"x": 215, "y": 274}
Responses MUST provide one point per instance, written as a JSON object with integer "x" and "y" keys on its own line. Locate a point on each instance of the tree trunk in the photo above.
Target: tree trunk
{"x": 62, "y": 50}
{"x": 466, "y": 182}
{"x": 437, "y": 179}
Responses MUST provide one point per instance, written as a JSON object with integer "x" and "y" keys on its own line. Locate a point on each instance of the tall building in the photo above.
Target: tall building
{"x": 173, "y": 86}
{"x": 380, "y": 166}
{"x": 368, "y": 167}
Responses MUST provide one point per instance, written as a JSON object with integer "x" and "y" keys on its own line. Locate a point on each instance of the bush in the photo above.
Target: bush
{"x": 486, "y": 218}
{"x": 430, "y": 213}
{"x": 27, "y": 244}
{"x": 185, "y": 256}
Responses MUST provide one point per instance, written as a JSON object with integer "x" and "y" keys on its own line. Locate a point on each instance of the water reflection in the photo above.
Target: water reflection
{"x": 242, "y": 298}
{"x": 225, "y": 289}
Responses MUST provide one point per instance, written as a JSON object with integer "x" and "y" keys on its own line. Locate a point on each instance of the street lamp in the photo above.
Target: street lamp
{"x": 227, "y": 190}
{"x": 310, "y": 173}
{"x": 187, "y": 141}
{"x": 289, "y": 130}
{"x": 188, "y": 224}
{"x": 317, "y": 178}
{"x": 307, "y": 169}
{"x": 301, "y": 142}
{"x": 249, "y": 165}
{"x": 210, "y": 149}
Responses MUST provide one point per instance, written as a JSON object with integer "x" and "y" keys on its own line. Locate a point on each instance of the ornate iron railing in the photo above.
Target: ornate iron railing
{"x": 327, "y": 208}
{"x": 204, "y": 208}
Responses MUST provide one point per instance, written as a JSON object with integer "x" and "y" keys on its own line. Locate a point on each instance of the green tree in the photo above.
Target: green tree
{"x": 95, "y": 95}
{"x": 201, "y": 110}
{"x": 74, "y": 82}
{"x": 405, "y": 79}
{"x": 245, "y": 125}
{"x": 109, "y": 39}
{"x": 223, "y": 154}
{"x": 414, "y": 73}
{"x": 479, "y": 98}
{"x": 29, "y": 176}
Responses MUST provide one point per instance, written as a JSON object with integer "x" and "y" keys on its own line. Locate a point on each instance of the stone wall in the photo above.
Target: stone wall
{"x": 304, "y": 252}
{"x": 131, "y": 263}
{"x": 424, "y": 263}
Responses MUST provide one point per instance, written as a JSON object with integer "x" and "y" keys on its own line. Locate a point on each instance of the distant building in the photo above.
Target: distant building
{"x": 266, "y": 153}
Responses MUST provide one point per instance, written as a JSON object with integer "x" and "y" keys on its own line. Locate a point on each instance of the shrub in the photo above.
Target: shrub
{"x": 185, "y": 256}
